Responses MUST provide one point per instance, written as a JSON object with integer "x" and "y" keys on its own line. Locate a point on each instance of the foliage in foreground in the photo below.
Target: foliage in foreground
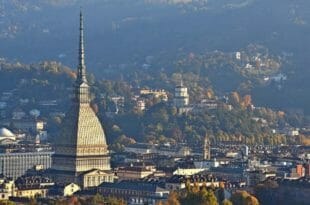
{"x": 195, "y": 195}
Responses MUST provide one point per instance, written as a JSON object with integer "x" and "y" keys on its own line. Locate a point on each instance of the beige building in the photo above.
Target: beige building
{"x": 177, "y": 182}
{"x": 162, "y": 94}
{"x": 81, "y": 144}
{"x": 7, "y": 188}
{"x": 130, "y": 173}
{"x": 94, "y": 178}
{"x": 32, "y": 187}
{"x": 70, "y": 189}
{"x": 32, "y": 193}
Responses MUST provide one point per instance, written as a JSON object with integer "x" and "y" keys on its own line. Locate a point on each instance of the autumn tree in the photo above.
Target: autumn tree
{"x": 208, "y": 197}
{"x": 226, "y": 202}
{"x": 74, "y": 200}
{"x": 234, "y": 99}
{"x": 247, "y": 101}
{"x": 173, "y": 199}
{"x": 97, "y": 199}
{"x": 210, "y": 93}
{"x": 159, "y": 203}
{"x": 114, "y": 201}
{"x": 6, "y": 202}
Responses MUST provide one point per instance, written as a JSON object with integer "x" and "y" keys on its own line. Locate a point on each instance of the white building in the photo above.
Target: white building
{"x": 140, "y": 104}
{"x": 181, "y": 99}
{"x": 207, "y": 164}
{"x": 188, "y": 172}
{"x": 238, "y": 55}
{"x": 7, "y": 137}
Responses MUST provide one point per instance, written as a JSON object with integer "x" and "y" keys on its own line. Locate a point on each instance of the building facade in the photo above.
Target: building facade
{"x": 32, "y": 187}
{"x": 14, "y": 165}
{"x": 135, "y": 192}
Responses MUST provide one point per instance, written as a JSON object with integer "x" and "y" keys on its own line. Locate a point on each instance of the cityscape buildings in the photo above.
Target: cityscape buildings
{"x": 154, "y": 151}
{"x": 14, "y": 165}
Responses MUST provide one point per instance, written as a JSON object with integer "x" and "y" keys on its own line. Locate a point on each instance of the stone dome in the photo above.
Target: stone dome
{"x": 4, "y": 132}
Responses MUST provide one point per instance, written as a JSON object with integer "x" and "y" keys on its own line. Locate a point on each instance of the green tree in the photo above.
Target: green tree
{"x": 243, "y": 198}
{"x": 97, "y": 199}
{"x": 115, "y": 201}
{"x": 33, "y": 202}
{"x": 6, "y": 202}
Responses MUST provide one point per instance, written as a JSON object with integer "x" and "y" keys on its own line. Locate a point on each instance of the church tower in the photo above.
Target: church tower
{"x": 181, "y": 99}
{"x": 206, "y": 148}
{"x": 81, "y": 152}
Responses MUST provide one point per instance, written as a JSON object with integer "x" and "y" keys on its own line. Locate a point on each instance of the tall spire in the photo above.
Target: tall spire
{"x": 181, "y": 83}
{"x": 81, "y": 85}
{"x": 81, "y": 66}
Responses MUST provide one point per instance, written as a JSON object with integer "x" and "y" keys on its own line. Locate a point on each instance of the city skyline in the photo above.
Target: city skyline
{"x": 170, "y": 102}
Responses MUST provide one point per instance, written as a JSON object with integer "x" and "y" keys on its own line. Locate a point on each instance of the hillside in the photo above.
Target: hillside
{"x": 34, "y": 86}
{"x": 122, "y": 35}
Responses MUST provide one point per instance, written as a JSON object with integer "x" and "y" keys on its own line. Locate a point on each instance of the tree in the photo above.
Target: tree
{"x": 95, "y": 107}
{"x": 247, "y": 101}
{"x": 114, "y": 201}
{"x": 33, "y": 202}
{"x": 172, "y": 199}
{"x": 209, "y": 198}
{"x": 6, "y": 202}
{"x": 198, "y": 196}
{"x": 234, "y": 99}
{"x": 243, "y": 198}
{"x": 266, "y": 192}
{"x": 97, "y": 199}
{"x": 251, "y": 200}
{"x": 210, "y": 93}
{"x": 188, "y": 186}
{"x": 74, "y": 200}
{"x": 221, "y": 193}
{"x": 195, "y": 188}
{"x": 226, "y": 202}
{"x": 160, "y": 203}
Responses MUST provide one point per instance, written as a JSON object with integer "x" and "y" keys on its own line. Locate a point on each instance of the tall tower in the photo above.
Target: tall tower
{"x": 206, "y": 148}
{"x": 181, "y": 97}
{"x": 80, "y": 148}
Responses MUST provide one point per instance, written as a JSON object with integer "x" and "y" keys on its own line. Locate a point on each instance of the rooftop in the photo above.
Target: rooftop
{"x": 133, "y": 186}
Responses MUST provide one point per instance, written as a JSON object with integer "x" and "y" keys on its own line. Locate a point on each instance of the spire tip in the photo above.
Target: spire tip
{"x": 81, "y": 66}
